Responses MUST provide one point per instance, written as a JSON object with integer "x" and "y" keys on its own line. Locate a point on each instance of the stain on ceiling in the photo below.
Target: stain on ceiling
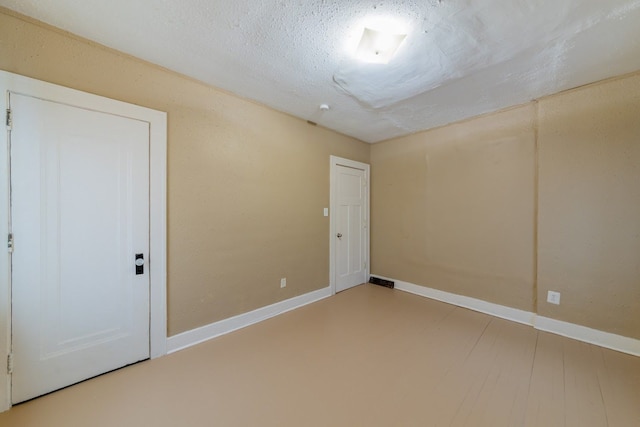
{"x": 461, "y": 58}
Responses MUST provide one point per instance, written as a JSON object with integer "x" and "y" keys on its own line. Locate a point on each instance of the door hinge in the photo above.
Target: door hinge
{"x": 9, "y": 119}
{"x": 10, "y": 363}
{"x": 10, "y": 243}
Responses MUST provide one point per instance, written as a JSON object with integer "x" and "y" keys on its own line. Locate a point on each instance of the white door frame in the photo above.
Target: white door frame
{"x": 157, "y": 120}
{"x": 333, "y": 194}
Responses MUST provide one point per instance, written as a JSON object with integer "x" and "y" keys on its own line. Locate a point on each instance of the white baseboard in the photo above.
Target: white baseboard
{"x": 588, "y": 335}
{"x": 492, "y": 309}
{"x": 207, "y": 332}
{"x": 569, "y": 330}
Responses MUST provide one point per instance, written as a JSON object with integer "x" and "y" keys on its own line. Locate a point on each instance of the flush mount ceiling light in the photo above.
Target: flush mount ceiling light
{"x": 378, "y": 46}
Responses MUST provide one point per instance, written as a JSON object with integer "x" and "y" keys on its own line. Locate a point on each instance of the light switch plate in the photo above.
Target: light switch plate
{"x": 326, "y": 211}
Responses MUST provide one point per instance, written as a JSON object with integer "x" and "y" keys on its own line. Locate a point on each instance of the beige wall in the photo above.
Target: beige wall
{"x": 246, "y": 184}
{"x": 454, "y": 208}
{"x": 589, "y": 227}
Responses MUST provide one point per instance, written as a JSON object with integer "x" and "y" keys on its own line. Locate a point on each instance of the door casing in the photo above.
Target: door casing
{"x": 157, "y": 120}
{"x": 334, "y": 163}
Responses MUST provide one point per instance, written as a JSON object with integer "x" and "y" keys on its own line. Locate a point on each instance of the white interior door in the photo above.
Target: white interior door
{"x": 351, "y": 234}
{"x": 80, "y": 214}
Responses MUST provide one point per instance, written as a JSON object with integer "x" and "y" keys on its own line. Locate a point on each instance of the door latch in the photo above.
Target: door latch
{"x": 139, "y": 263}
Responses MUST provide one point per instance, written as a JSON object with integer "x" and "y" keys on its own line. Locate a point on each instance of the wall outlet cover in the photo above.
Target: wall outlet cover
{"x": 553, "y": 297}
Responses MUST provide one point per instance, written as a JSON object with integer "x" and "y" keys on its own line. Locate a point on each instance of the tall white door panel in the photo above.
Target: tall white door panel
{"x": 80, "y": 215}
{"x": 351, "y": 227}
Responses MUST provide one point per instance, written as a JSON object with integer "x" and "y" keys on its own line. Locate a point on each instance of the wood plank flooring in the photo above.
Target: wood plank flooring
{"x": 369, "y": 356}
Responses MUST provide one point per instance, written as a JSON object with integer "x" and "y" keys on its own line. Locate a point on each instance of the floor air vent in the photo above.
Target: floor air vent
{"x": 381, "y": 282}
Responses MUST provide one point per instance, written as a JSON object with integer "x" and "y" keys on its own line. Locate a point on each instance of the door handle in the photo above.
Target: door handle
{"x": 339, "y": 235}
{"x": 139, "y": 261}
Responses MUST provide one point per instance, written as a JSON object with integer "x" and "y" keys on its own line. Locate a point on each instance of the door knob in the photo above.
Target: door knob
{"x": 339, "y": 235}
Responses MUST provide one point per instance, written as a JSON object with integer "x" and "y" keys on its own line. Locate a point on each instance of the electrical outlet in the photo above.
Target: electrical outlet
{"x": 283, "y": 282}
{"x": 553, "y": 297}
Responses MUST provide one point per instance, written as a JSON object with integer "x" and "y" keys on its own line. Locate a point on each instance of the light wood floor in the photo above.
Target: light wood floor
{"x": 369, "y": 356}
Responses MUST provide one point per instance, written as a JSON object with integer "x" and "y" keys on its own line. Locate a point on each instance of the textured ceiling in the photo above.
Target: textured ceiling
{"x": 461, "y": 58}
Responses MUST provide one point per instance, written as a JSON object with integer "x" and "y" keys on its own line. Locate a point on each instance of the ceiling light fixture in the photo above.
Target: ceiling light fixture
{"x": 378, "y": 46}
